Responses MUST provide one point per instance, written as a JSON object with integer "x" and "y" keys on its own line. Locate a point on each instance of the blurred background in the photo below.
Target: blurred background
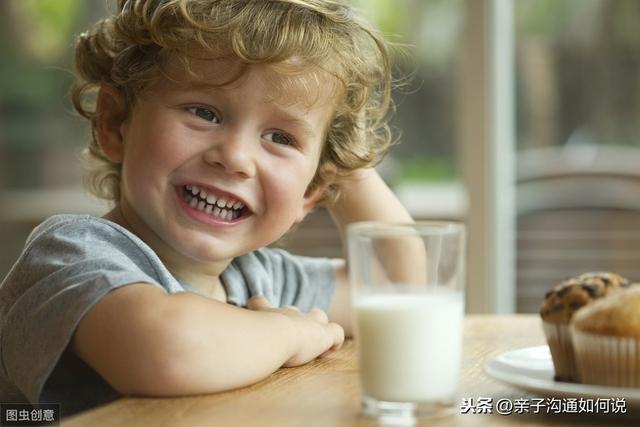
{"x": 574, "y": 145}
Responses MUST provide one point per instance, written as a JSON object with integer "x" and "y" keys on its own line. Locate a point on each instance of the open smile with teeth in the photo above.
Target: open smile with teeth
{"x": 219, "y": 207}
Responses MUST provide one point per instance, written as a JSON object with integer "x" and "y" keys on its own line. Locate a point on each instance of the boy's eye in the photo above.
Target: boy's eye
{"x": 204, "y": 113}
{"x": 279, "y": 138}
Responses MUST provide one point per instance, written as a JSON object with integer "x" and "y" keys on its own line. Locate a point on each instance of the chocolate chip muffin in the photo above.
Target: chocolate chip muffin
{"x": 561, "y": 303}
{"x": 606, "y": 340}
{"x": 565, "y": 298}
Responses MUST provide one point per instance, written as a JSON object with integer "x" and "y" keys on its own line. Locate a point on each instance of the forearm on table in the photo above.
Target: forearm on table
{"x": 227, "y": 347}
{"x": 146, "y": 342}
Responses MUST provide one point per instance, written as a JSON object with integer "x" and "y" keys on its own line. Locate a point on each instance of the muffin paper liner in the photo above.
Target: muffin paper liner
{"x": 607, "y": 360}
{"x": 562, "y": 353}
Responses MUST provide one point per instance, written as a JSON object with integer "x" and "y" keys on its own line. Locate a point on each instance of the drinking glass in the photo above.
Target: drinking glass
{"x": 407, "y": 287}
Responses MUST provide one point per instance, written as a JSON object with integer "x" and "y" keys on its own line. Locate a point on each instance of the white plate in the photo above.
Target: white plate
{"x": 531, "y": 369}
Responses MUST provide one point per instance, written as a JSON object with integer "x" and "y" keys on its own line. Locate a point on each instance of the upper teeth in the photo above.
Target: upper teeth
{"x": 213, "y": 200}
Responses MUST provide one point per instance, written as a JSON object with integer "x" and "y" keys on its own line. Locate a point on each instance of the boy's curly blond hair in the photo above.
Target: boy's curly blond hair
{"x": 298, "y": 38}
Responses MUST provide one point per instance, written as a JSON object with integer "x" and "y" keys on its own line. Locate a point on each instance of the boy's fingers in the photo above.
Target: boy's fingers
{"x": 292, "y": 307}
{"x": 338, "y": 335}
{"x": 258, "y": 302}
{"x": 338, "y": 339}
{"x": 318, "y": 315}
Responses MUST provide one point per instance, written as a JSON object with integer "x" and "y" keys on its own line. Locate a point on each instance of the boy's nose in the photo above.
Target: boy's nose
{"x": 234, "y": 154}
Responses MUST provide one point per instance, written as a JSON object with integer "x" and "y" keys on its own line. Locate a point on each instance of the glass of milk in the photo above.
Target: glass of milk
{"x": 407, "y": 288}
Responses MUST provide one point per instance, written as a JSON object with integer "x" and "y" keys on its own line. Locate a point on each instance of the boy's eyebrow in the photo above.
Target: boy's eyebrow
{"x": 303, "y": 125}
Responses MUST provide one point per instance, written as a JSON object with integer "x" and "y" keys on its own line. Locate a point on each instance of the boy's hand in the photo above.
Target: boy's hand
{"x": 366, "y": 197}
{"x": 315, "y": 335}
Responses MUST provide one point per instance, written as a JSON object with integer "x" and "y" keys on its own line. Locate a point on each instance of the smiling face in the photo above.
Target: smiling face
{"x": 210, "y": 173}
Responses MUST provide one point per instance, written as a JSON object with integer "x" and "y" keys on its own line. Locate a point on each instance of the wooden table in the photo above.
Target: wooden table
{"x": 326, "y": 392}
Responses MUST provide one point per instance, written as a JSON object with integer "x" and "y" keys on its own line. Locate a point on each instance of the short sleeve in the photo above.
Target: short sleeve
{"x": 61, "y": 274}
{"x": 283, "y": 278}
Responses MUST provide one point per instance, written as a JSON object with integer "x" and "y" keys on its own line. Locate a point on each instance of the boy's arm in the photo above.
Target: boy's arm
{"x": 365, "y": 197}
{"x": 143, "y": 341}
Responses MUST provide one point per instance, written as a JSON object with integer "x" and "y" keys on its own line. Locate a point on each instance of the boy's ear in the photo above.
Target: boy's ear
{"x": 110, "y": 114}
{"x": 314, "y": 193}
{"x": 311, "y": 197}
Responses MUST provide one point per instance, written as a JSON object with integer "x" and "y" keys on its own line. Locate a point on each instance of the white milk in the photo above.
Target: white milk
{"x": 410, "y": 345}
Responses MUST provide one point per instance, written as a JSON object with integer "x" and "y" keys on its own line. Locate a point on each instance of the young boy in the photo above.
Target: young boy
{"x": 216, "y": 126}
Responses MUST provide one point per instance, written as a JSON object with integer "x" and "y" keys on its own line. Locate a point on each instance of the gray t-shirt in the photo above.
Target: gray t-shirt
{"x": 71, "y": 261}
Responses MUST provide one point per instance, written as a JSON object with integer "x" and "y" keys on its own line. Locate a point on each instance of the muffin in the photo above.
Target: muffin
{"x": 606, "y": 339}
{"x": 561, "y": 303}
